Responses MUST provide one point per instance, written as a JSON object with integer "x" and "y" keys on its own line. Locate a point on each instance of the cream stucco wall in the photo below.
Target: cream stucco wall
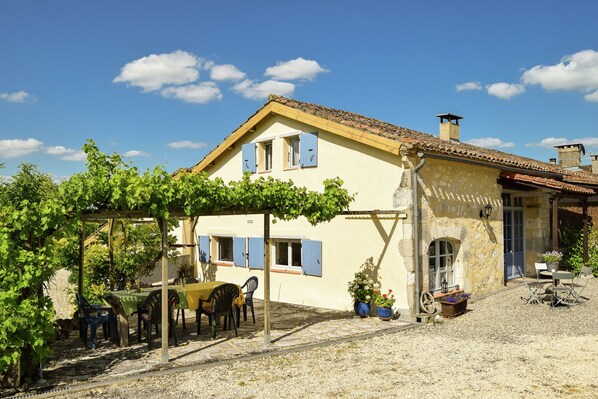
{"x": 453, "y": 194}
{"x": 348, "y": 243}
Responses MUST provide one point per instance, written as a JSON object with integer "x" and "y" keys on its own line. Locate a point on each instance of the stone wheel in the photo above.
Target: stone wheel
{"x": 427, "y": 302}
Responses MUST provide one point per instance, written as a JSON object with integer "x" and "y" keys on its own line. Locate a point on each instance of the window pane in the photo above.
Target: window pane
{"x": 225, "y": 250}
{"x": 442, "y": 247}
{"x": 295, "y": 152}
{"x": 268, "y": 156}
{"x": 282, "y": 253}
{"x": 296, "y": 253}
{"x": 432, "y": 249}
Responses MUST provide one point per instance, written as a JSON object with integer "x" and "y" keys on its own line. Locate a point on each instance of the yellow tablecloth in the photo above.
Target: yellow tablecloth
{"x": 196, "y": 292}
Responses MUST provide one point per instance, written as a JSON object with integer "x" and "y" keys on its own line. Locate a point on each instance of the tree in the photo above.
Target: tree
{"x": 30, "y": 222}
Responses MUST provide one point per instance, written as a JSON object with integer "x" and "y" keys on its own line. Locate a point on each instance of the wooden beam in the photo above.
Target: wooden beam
{"x": 584, "y": 207}
{"x": 164, "y": 352}
{"x": 555, "y": 223}
{"x": 81, "y": 257}
{"x": 267, "y": 253}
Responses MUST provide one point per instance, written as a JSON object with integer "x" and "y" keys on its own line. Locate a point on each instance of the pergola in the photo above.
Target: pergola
{"x": 179, "y": 214}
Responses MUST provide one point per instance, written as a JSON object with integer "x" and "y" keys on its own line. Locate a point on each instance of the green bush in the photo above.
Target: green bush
{"x": 572, "y": 240}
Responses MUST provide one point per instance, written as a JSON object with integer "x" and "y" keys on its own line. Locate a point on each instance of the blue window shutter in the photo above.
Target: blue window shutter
{"x": 311, "y": 256}
{"x": 308, "y": 149}
{"x": 248, "y": 152}
{"x": 239, "y": 251}
{"x": 204, "y": 249}
{"x": 256, "y": 253}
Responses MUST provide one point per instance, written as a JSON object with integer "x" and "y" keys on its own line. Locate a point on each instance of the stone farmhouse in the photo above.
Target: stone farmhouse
{"x": 427, "y": 208}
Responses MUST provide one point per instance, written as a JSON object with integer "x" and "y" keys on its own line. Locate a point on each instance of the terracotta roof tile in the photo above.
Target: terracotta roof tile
{"x": 434, "y": 144}
{"x": 548, "y": 183}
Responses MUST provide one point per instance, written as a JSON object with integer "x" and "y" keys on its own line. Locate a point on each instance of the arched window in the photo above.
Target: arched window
{"x": 440, "y": 264}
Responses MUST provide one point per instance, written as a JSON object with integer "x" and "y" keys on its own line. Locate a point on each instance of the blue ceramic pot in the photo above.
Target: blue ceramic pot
{"x": 362, "y": 309}
{"x": 384, "y": 313}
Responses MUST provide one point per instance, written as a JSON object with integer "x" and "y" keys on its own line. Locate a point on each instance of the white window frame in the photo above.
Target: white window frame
{"x": 436, "y": 273}
{"x": 289, "y": 243}
{"x": 219, "y": 248}
{"x": 294, "y": 158}
{"x": 268, "y": 152}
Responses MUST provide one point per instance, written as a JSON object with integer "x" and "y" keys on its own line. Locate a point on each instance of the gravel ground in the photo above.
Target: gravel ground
{"x": 501, "y": 347}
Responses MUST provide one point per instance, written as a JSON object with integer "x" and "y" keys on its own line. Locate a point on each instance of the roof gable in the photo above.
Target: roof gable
{"x": 391, "y": 138}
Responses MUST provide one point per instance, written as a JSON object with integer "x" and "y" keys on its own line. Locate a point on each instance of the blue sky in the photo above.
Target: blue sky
{"x": 165, "y": 82}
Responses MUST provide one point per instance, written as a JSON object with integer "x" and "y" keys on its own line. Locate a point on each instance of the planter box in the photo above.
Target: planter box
{"x": 450, "y": 310}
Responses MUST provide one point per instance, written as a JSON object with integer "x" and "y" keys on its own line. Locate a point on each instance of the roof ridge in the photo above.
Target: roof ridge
{"x": 434, "y": 143}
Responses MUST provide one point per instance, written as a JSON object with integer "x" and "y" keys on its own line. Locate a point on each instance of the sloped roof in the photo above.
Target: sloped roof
{"x": 547, "y": 183}
{"x": 434, "y": 144}
{"x": 389, "y": 133}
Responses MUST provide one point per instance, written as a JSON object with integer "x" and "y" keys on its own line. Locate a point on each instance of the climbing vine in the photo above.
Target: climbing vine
{"x": 38, "y": 221}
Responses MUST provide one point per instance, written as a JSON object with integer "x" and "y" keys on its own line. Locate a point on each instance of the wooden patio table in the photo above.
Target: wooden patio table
{"x": 125, "y": 303}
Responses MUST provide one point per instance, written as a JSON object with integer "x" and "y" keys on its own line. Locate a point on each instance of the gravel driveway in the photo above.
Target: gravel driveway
{"x": 500, "y": 348}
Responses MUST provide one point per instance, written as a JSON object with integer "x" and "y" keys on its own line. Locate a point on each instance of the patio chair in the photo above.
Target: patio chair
{"x": 179, "y": 311}
{"x": 219, "y": 303}
{"x": 561, "y": 289}
{"x": 251, "y": 285}
{"x": 93, "y": 316}
{"x": 536, "y": 289}
{"x": 580, "y": 282}
{"x": 150, "y": 312}
{"x": 540, "y": 267}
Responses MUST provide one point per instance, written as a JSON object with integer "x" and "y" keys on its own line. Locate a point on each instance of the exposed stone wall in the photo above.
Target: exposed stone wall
{"x": 453, "y": 193}
{"x": 537, "y": 230}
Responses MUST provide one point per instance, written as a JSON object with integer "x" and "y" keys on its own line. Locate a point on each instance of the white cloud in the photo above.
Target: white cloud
{"x": 588, "y": 141}
{"x": 260, "y": 91}
{"x": 578, "y": 71}
{"x": 76, "y": 156}
{"x": 298, "y": 68}
{"x": 16, "y": 97}
{"x": 156, "y": 70}
{"x": 16, "y": 148}
{"x": 505, "y": 90}
{"x": 550, "y": 142}
{"x": 226, "y": 72}
{"x": 59, "y": 150}
{"x": 592, "y": 97}
{"x": 135, "y": 153}
{"x": 177, "y": 145}
{"x": 467, "y": 86}
{"x": 490, "y": 142}
{"x": 201, "y": 93}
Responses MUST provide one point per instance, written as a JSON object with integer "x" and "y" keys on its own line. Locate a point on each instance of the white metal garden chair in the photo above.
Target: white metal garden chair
{"x": 536, "y": 289}
{"x": 561, "y": 290}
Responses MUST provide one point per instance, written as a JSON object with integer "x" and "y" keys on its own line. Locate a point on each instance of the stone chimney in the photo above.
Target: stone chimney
{"x": 552, "y": 161}
{"x": 594, "y": 158}
{"x": 570, "y": 155}
{"x": 449, "y": 126}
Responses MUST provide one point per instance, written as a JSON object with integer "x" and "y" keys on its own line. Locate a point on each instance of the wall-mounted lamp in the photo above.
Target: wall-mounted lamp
{"x": 486, "y": 211}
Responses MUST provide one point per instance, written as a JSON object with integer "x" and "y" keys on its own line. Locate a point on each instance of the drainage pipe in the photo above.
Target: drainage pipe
{"x": 416, "y": 223}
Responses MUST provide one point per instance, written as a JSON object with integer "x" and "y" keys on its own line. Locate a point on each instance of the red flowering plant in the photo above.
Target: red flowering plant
{"x": 384, "y": 300}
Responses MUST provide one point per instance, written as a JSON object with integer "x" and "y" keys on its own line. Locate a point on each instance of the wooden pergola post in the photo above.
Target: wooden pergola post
{"x": 81, "y": 256}
{"x": 267, "y": 255}
{"x": 584, "y": 207}
{"x": 164, "y": 229}
{"x": 555, "y": 223}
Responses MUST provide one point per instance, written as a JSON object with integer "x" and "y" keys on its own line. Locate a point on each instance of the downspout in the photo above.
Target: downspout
{"x": 416, "y": 223}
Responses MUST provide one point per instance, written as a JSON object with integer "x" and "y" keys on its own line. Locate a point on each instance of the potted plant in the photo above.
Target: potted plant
{"x": 454, "y": 305}
{"x": 184, "y": 272}
{"x": 384, "y": 304}
{"x": 361, "y": 289}
{"x": 552, "y": 259}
